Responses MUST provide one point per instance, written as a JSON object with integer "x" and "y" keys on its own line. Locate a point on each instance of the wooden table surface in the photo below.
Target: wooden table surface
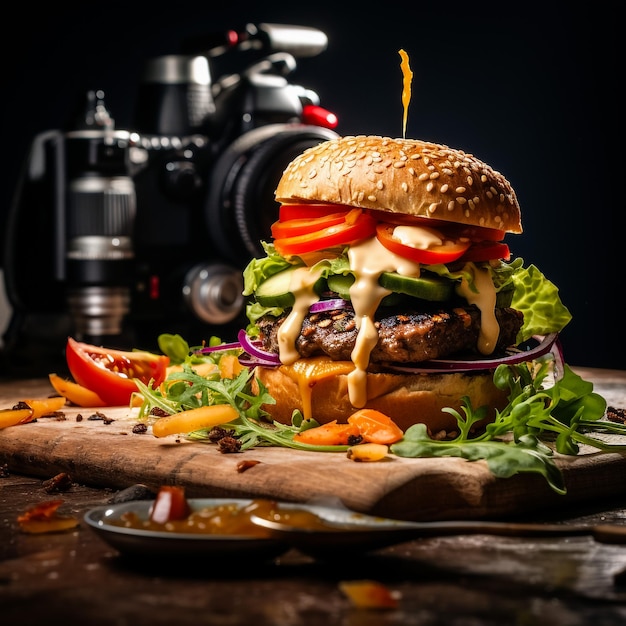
{"x": 76, "y": 578}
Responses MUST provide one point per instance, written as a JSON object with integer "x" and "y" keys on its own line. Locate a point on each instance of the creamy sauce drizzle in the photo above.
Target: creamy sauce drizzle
{"x": 368, "y": 260}
{"x": 485, "y": 300}
{"x": 407, "y": 77}
{"x": 417, "y": 237}
{"x": 301, "y": 286}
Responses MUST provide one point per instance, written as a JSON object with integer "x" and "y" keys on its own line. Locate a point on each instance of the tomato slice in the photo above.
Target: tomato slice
{"x": 308, "y": 211}
{"x": 356, "y": 226}
{"x": 110, "y": 373}
{"x": 305, "y": 225}
{"x": 450, "y": 229}
{"x": 445, "y": 253}
{"x": 486, "y": 251}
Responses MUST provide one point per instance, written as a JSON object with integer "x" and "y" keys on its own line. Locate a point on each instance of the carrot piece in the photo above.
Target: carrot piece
{"x": 369, "y": 594}
{"x": 329, "y": 434}
{"x": 230, "y": 366}
{"x": 376, "y": 427}
{"x": 75, "y": 393}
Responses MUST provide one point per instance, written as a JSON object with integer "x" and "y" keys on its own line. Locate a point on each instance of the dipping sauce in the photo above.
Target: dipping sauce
{"x": 227, "y": 519}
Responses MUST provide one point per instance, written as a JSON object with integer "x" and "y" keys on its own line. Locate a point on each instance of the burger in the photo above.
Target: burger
{"x": 388, "y": 284}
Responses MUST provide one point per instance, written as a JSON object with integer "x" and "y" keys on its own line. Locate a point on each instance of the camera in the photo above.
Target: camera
{"x": 115, "y": 236}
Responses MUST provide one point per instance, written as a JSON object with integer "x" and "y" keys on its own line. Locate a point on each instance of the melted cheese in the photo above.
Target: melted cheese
{"x": 306, "y": 373}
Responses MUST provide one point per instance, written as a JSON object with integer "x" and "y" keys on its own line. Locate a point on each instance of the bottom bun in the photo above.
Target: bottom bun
{"x": 406, "y": 398}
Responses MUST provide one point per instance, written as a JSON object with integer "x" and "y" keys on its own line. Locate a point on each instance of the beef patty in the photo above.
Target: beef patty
{"x": 402, "y": 337}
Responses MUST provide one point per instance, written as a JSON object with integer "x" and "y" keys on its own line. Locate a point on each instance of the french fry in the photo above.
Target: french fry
{"x": 194, "y": 419}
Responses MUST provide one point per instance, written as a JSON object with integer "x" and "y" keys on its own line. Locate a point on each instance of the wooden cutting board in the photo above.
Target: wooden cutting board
{"x": 106, "y": 453}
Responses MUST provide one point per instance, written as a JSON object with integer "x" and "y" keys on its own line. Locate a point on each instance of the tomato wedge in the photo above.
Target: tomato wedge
{"x": 357, "y": 225}
{"x": 110, "y": 373}
{"x": 445, "y": 253}
{"x": 305, "y": 225}
{"x": 169, "y": 505}
{"x": 486, "y": 251}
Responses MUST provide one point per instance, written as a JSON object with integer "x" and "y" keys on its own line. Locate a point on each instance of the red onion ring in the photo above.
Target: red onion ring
{"x": 260, "y": 356}
{"x": 438, "y": 366}
{"x": 329, "y": 305}
{"x": 235, "y": 345}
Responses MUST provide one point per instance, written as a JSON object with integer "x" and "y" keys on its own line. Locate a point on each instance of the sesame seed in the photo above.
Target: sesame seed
{"x": 312, "y": 173}
{"x": 470, "y": 181}
{"x": 423, "y": 176}
{"x": 371, "y": 198}
{"x": 460, "y": 190}
{"x": 444, "y": 188}
{"x": 405, "y": 187}
{"x": 433, "y": 207}
{"x": 461, "y": 200}
{"x": 434, "y": 175}
{"x": 398, "y": 164}
{"x": 430, "y": 186}
{"x": 380, "y": 184}
{"x": 451, "y": 205}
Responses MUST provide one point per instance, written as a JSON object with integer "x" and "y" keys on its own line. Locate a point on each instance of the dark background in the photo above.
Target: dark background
{"x": 533, "y": 92}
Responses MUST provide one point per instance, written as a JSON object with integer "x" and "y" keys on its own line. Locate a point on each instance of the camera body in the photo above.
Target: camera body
{"x": 134, "y": 233}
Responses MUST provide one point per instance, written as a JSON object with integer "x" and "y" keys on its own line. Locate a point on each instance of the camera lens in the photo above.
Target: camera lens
{"x": 100, "y": 217}
{"x": 214, "y": 292}
{"x": 241, "y": 206}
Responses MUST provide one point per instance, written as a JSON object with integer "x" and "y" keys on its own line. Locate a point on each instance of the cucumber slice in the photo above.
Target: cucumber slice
{"x": 340, "y": 284}
{"x": 425, "y": 288}
{"x": 275, "y": 291}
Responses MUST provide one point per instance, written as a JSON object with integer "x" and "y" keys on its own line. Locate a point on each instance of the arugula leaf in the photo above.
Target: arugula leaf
{"x": 541, "y": 411}
{"x": 185, "y": 389}
{"x": 534, "y": 412}
{"x": 503, "y": 459}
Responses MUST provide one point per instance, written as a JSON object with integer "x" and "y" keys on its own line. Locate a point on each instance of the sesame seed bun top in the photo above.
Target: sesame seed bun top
{"x": 402, "y": 176}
